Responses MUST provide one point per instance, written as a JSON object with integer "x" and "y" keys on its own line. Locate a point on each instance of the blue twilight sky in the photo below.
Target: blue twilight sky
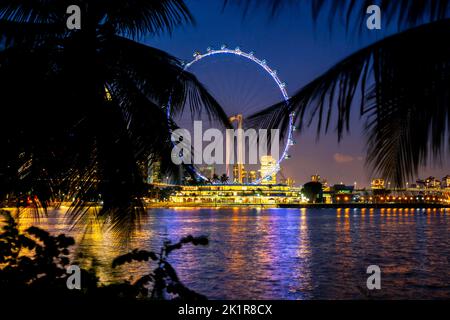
{"x": 300, "y": 51}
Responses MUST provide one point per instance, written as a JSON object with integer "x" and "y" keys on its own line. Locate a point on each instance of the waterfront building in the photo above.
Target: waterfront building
{"x": 342, "y": 193}
{"x": 268, "y": 170}
{"x": 432, "y": 183}
{"x": 236, "y": 194}
{"x": 289, "y": 182}
{"x": 445, "y": 182}
{"x": 154, "y": 174}
{"x": 378, "y": 184}
{"x": 239, "y": 177}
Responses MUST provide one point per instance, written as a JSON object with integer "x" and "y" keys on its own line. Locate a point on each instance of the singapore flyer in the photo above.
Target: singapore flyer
{"x": 271, "y": 170}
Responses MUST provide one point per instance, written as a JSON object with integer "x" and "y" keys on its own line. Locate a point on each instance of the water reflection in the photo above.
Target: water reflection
{"x": 282, "y": 253}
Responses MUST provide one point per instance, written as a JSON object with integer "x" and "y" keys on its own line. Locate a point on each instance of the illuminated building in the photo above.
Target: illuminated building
{"x": 252, "y": 176}
{"x": 234, "y": 194}
{"x": 342, "y": 193}
{"x": 239, "y": 178}
{"x": 290, "y": 182}
{"x": 315, "y": 178}
{"x": 235, "y": 173}
{"x": 154, "y": 174}
{"x": 268, "y": 170}
{"x": 432, "y": 183}
{"x": 445, "y": 182}
{"x": 378, "y": 184}
{"x": 239, "y": 167}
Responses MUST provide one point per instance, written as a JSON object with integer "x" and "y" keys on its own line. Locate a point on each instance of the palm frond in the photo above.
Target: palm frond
{"x": 403, "y": 85}
{"x": 136, "y": 18}
{"x": 401, "y": 12}
{"x": 37, "y": 11}
{"x": 161, "y": 78}
{"x": 29, "y": 34}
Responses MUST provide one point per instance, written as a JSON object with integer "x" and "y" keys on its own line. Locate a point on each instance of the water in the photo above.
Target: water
{"x": 287, "y": 253}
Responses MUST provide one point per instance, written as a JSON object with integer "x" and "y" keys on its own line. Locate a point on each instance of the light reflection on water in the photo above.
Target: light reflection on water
{"x": 284, "y": 253}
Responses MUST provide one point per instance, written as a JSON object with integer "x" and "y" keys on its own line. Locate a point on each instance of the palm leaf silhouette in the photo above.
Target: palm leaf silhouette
{"x": 404, "y": 82}
{"x": 84, "y": 110}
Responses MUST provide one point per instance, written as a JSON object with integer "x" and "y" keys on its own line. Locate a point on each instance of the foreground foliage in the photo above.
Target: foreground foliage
{"x": 34, "y": 265}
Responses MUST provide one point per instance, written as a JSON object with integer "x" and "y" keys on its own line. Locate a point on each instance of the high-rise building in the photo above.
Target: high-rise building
{"x": 239, "y": 178}
{"x": 290, "y": 182}
{"x": 378, "y": 184}
{"x": 269, "y": 168}
{"x": 154, "y": 174}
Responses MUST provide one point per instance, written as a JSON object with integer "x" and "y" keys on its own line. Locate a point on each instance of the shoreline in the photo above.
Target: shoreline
{"x": 308, "y": 206}
{"x": 367, "y": 205}
{"x": 284, "y": 206}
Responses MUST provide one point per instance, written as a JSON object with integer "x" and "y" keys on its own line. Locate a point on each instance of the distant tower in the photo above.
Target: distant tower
{"x": 239, "y": 174}
{"x": 446, "y": 182}
{"x": 269, "y": 169}
{"x": 237, "y": 178}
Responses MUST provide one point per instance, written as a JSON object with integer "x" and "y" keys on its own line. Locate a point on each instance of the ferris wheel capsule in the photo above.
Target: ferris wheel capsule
{"x": 264, "y": 62}
{"x": 223, "y": 47}
{"x": 208, "y": 49}
{"x": 287, "y": 157}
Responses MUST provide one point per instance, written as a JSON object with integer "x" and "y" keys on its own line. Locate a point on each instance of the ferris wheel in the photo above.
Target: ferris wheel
{"x": 277, "y": 82}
